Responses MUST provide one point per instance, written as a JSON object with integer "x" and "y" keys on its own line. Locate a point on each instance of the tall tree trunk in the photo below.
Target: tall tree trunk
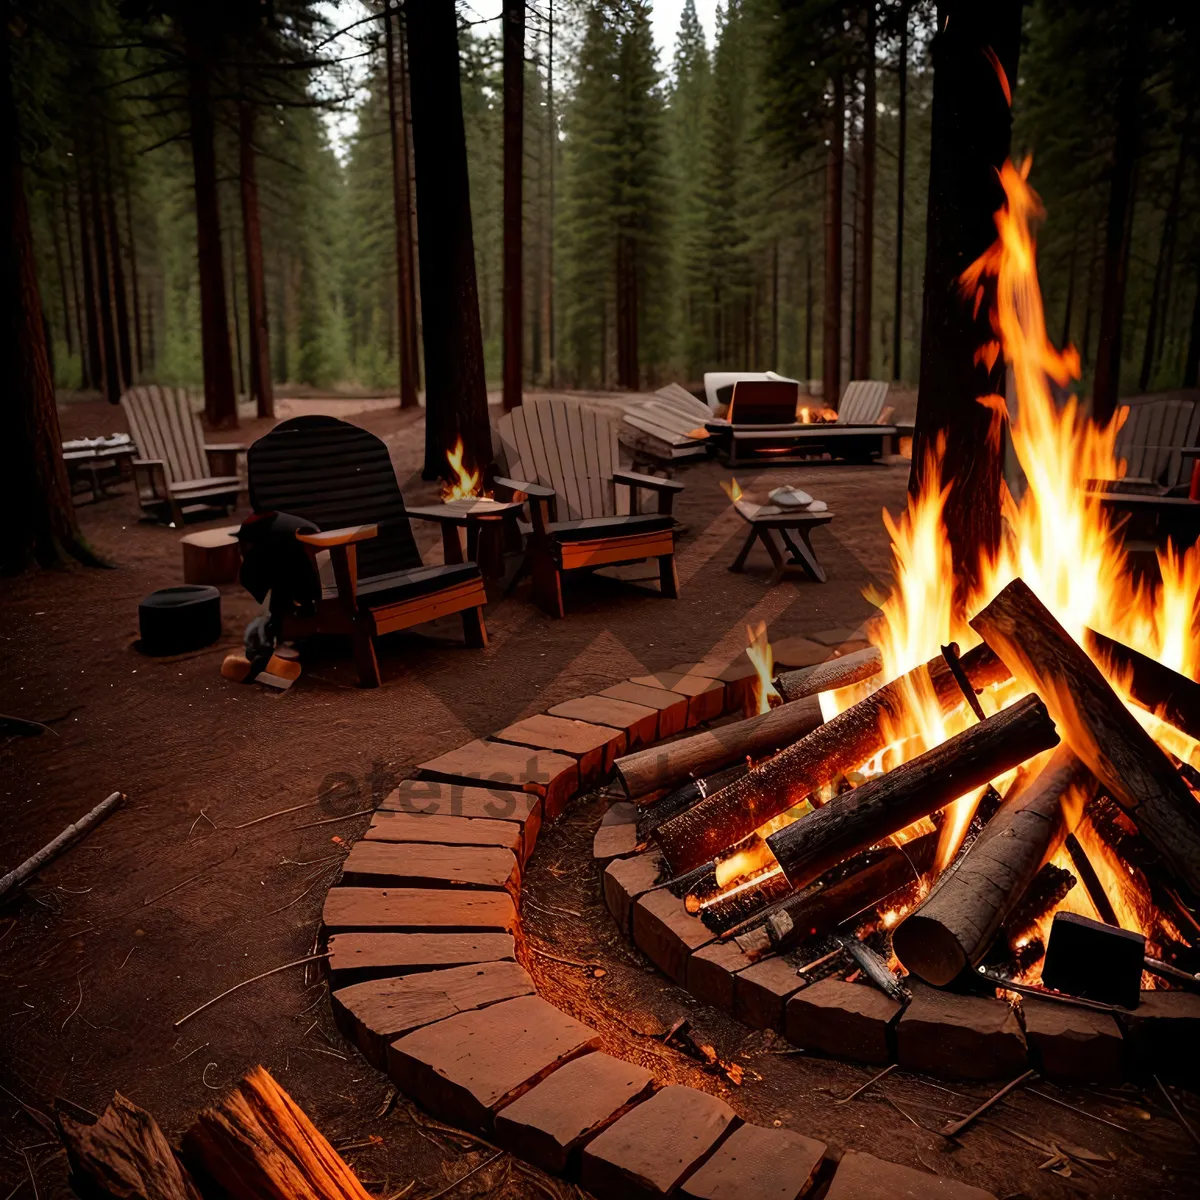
{"x": 237, "y": 320}
{"x": 513, "y": 34}
{"x": 808, "y": 307}
{"x": 135, "y": 282}
{"x": 970, "y": 140}
{"x": 1191, "y": 367}
{"x": 866, "y": 190}
{"x": 1089, "y": 304}
{"x": 68, "y": 223}
{"x": 855, "y": 226}
{"x": 628, "y": 369}
{"x": 1119, "y": 226}
{"x": 552, "y": 156}
{"x": 406, "y": 309}
{"x": 897, "y": 325}
{"x": 94, "y": 357}
{"x": 1069, "y": 305}
{"x": 112, "y": 365}
{"x": 455, "y": 382}
{"x": 1160, "y": 267}
{"x": 835, "y": 169}
{"x": 775, "y": 305}
{"x": 120, "y": 299}
{"x": 220, "y": 402}
{"x": 62, "y": 286}
{"x": 39, "y": 524}
{"x": 257, "y": 326}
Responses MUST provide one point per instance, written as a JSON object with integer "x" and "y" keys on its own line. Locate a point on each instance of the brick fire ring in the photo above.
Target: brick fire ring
{"x": 424, "y": 938}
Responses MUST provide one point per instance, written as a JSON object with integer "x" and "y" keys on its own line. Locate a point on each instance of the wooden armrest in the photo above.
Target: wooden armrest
{"x": 636, "y": 479}
{"x": 148, "y": 462}
{"x": 529, "y": 489}
{"x": 225, "y": 447}
{"x": 338, "y": 537}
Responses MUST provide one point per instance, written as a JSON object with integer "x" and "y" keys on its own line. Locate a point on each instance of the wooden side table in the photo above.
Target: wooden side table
{"x": 768, "y": 520}
{"x": 491, "y": 527}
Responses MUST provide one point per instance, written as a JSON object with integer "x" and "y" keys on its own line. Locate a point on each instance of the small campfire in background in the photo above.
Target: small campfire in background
{"x": 466, "y": 485}
{"x": 816, "y": 416}
{"x": 980, "y": 816}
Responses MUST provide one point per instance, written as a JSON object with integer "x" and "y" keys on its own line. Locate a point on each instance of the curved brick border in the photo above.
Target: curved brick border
{"x": 423, "y": 931}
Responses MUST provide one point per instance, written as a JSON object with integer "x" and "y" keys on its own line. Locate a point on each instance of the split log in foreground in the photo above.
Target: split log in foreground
{"x": 1172, "y": 696}
{"x": 957, "y": 922}
{"x": 830, "y": 675}
{"x": 123, "y": 1154}
{"x": 832, "y": 749}
{"x": 818, "y": 910}
{"x": 1096, "y": 724}
{"x": 882, "y": 806}
{"x": 259, "y": 1144}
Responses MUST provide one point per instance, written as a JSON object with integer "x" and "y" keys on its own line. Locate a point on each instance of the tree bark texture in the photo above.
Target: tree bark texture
{"x": 831, "y": 317}
{"x": 1096, "y": 725}
{"x": 1166, "y": 241}
{"x": 970, "y": 140}
{"x": 220, "y": 400}
{"x": 956, "y": 923}
{"x": 135, "y": 285}
{"x": 104, "y": 292}
{"x": 513, "y": 36}
{"x": 829, "y": 676}
{"x": 838, "y": 746}
{"x": 902, "y": 140}
{"x": 120, "y": 295}
{"x": 94, "y": 347}
{"x": 455, "y": 382}
{"x": 854, "y": 820}
{"x": 866, "y": 189}
{"x": 262, "y": 387}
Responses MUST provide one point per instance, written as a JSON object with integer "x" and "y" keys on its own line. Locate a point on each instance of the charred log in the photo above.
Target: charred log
{"x": 686, "y": 795}
{"x": 860, "y": 818}
{"x": 957, "y": 921}
{"x": 831, "y": 750}
{"x": 1097, "y": 725}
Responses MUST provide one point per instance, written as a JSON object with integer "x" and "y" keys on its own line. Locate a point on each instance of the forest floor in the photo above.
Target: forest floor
{"x": 179, "y": 895}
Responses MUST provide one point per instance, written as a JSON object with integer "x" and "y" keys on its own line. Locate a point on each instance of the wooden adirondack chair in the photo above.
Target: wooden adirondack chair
{"x": 341, "y": 478}
{"x": 562, "y": 456}
{"x": 176, "y": 473}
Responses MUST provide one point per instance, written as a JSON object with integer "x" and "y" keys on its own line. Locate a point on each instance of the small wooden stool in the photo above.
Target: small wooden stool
{"x": 211, "y": 556}
{"x": 765, "y": 521}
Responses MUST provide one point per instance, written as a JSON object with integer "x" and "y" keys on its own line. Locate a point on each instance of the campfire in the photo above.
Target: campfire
{"x": 1022, "y": 759}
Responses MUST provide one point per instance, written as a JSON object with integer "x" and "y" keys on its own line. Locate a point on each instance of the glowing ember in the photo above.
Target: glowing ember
{"x": 467, "y": 484}
{"x": 758, "y": 651}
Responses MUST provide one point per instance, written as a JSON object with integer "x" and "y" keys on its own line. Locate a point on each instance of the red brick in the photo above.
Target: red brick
{"x": 865, "y": 1177}
{"x": 965, "y": 1037}
{"x": 554, "y": 777}
{"x": 355, "y": 956}
{"x": 552, "y": 1120}
{"x": 754, "y": 1163}
{"x": 427, "y": 797}
{"x": 761, "y": 991}
{"x": 847, "y": 1020}
{"x": 465, "y": 1068}
{"x": 1074, "y": 1044}
{"x": 667, "y": 934}
{"x": 638, "y": 721}
{"x": 706, "y": 696}
{"x": 594, "y": 747}
{"x": 625, "y": 880}
{"x": 374, "y": 1013}
{"x": 672, "y": 707}
{"x": 445, "y": 831}
{"x": 650, "y": 1150}
{"x": 711, "y": 971}
{"x": 406, "y": 864}
{"x": 419, "y": 909}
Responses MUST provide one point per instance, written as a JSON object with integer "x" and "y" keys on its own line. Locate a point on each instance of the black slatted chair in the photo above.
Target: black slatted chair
{"x": 341, "y": 479}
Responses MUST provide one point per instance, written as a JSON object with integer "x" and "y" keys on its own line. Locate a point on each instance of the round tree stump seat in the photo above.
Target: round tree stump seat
{"x": 211, "y": 556}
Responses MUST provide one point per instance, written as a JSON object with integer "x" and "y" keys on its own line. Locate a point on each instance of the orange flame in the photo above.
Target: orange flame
{"x": 467, "y": 484}
{"x": 758, "y": 651}
{"x": 732, "y": 489}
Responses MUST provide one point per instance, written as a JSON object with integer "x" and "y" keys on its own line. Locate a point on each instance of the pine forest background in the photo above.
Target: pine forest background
{"x": 699, "y": 182}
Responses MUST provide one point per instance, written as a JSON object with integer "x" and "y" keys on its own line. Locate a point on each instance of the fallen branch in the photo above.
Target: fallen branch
{"x": 858, "y": 1091}
{"x": 31, "y": 866}
{"x": 956, "y": 1127}
{"x": 253, "y": 979}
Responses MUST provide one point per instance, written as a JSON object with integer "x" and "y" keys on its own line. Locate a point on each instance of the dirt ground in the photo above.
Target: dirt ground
{"x": 185, "y": 891}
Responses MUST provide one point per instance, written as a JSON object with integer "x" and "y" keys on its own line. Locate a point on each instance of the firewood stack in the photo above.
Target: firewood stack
{"x": 764, "y": 853}
{"x": 256, "y": 1144}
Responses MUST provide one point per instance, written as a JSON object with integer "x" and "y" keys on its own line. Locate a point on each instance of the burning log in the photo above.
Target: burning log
{"x": 831, "y": 675}
{"x": 956, "y": 923}
{"x": 1164, "y": 692}
{"x": 860, "y": 818}
{"x": 684, "y": 796}
{"x": 1047, "y": 891}
{"x": 664, "y": 766}
{"x": 820, "y": 909}
{"x": 1097, "y": 725}
{"x": 830, "y": 750}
